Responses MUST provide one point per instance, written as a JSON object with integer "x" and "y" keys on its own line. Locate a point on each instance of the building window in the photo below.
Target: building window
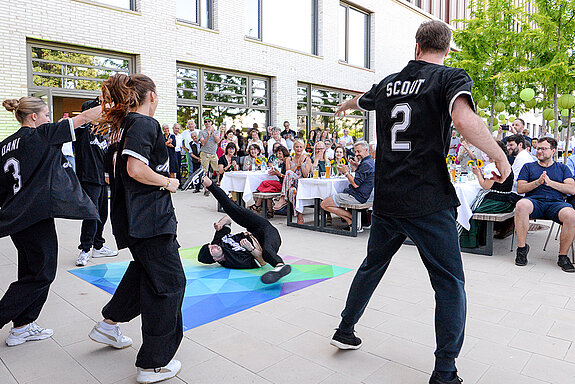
{"x": 127, "y": 4}
{"x": 231, "y": 98}
{"x": 56, "y": 67}
{"x": 353, "y": 36}
{"x": 316, "y": 107}
{"x": 291, "y": 24}
{"x": 195, "y": 11}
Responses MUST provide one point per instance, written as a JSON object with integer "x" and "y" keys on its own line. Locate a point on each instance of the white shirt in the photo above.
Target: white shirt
{"x": 329, "y": 154}
{"x": 522, "y": 158}
{"x": 67, "y": 149}
{"x": 186, "y": 138}
{"x": 178, "y": 144}
{"x": 271, "y": 143}
{"x": 347, "y": 141}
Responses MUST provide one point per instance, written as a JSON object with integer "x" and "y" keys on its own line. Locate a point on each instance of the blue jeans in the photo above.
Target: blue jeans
{"x": 437, "y": 240}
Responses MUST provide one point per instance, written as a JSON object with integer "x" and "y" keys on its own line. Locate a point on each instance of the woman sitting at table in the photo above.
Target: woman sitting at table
{"x": 466, "y": 152}
{"x": 277, "y": 168}
{"x": 339, "y": 158}
{"x": 228, "y": 162}
{"x": 298, "y": 166}
{"x": 494, "y": 198}
{"x": 254, "y": 138}
{"x": 250, "y": 163}
{"x": 319, "y": 156}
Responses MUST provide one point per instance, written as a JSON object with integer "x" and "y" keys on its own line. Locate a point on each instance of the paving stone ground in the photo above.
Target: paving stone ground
{"x": 520, "y": 326}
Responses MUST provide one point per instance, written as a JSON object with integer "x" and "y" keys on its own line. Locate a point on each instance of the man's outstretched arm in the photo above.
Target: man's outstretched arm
{"x": 471, "y": 126}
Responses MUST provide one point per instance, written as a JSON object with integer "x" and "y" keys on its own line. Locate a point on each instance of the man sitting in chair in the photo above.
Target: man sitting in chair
{"x": 545, "y": 184}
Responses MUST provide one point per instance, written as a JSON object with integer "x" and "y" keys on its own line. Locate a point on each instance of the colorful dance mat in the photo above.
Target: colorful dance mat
{"x": 213, "y": 292}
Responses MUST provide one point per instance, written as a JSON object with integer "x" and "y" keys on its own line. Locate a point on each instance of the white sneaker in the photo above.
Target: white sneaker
{"x": 159, "y": 374}
{"x": 29, "y": 333}
{"x": 113, "y": 338}
{"x": 82, "y": 259}
{"x": 104, "y": 252}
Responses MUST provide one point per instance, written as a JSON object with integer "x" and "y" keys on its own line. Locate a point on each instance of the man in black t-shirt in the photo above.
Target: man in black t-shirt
{"x": 413, "y": 192}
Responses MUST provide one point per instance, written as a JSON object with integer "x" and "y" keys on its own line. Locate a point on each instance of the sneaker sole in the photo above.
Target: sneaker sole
{"x": 80, "y": 264}
{"x": 157, "y": 381}
{"x": 98, "y": 256}
{"x": 275, "y": 276}
{"x": 341, "y": 345}
{"x": 94, "y": 338}
{"x": 33, "y": 338}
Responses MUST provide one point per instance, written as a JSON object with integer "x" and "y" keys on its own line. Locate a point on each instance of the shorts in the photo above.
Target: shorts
{"x": 344, "y": 198}
{"x": 548, "y": 210}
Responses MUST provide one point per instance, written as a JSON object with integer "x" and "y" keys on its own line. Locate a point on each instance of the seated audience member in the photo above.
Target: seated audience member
{"x": 297, "y": 166}
{"x": 318, "y": 158}
{"x": 534, "y": 142}
{"x": 276, "y": 138}
{"x": 466, "y": 152}
{"x": 495, "y": 198}
{"x": 278, "y": 169}
{"x": 228, "y": 162}
{"x": 328, "y": 150}
{"x": 545, "y": 184}
{"x": 360, "y": 187}
{"x": 245, "y": 250}
{"x": 254, "y": 138}
{"x": 250, "y": 160}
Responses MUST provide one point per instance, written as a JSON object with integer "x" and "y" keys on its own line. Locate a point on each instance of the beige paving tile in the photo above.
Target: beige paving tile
{"x": 570, "y": 357}
{"x": 191, "y": 353}
{"x": 541, "y": 345}
{"x": 249, "y": 352}
{"x": 267, "y": 328}
{"x": 5, "y": 375}
{"x": 407, "y": 353}
{"x": 315, "y": 321}
{"x": 409, "y": 330}
{"x": 489, "y": 331}
{"x": 535, "y": 324}
{"x": 296, "y": 369}
{"x": 132, "y": 380}
{"x": 550, "y": 370}
{"x": 562, "y": 330}
{"x": 498, "y": 355}
{"x": 219, "y": 370}
{"x": 554, "y": 313}
{"x": 211, "y": 333}
{"x": 357, "y": 364}
{"x": 371, "y": 338}
{"x": 106, "y": 364}
{"x": 470, "y": 370}
{"x": 554, "y": 300}
{"x": 497, "y": 376}
{"x": 485, "y": 313}
{"x": 397, "y": 374}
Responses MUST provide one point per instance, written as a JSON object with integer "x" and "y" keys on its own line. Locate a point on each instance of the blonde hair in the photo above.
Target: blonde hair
{"x": 24, "y": 106}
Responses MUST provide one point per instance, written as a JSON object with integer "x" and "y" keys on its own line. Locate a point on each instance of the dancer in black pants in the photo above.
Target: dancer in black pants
{"x": 239, "y": 251}
{"x": 37, "y": 184}
{"x": 143, "y": 220}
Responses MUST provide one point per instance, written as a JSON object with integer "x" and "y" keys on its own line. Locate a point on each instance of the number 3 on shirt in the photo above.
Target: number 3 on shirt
{"x": 400, "y": 126}
{"x": 15, "y": 165}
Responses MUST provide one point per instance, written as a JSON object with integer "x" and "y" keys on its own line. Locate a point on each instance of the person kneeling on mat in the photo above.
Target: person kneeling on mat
{"x": 251, "y": 249}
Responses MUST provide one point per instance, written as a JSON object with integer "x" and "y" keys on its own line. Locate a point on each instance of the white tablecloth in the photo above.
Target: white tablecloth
{"x": 244, "y": 181}
{"x": 466, "y": 192}
{"x": 309, "y": 189}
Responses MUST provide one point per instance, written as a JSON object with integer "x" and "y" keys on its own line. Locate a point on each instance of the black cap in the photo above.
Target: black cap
{"x": 204, "y": 255}
{"x": 90, "y": 104}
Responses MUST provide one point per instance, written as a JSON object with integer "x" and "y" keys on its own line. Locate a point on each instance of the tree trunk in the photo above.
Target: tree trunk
{"x": 567, "y": 136}
{"x": 492, "y": 108}
{"x": 555, "y": 112}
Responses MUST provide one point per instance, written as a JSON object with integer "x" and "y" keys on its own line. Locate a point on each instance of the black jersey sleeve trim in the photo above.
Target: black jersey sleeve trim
{"x": 359, "y": 106}
{"x": 136, "y": 155}
{"x": 455, "y": 98}
{"x": 72, "y": 131}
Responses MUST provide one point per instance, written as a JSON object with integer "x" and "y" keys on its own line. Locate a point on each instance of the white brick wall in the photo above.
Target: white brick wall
{"x": 159, "y": 42}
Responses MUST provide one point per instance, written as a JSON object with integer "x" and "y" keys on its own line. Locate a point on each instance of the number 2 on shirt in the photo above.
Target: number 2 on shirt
{"x": 400, "y": 126}
{"x": 15, "y": 165}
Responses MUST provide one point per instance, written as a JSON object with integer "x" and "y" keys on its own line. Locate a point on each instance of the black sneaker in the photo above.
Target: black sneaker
{"x": 275, "y": 274}
{"x": 344, "y": 340}
{"x": 521, "y": 258}
{"x": 565, "y": 264}
{"x": 436, "y": 379}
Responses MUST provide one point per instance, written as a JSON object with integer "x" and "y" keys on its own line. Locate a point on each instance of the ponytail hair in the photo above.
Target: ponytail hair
{"x": 120, "y": 93}
{"x": 23, "y": 107}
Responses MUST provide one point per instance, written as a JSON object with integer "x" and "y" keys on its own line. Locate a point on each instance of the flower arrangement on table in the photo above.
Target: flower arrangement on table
{"x": 260, "y": 160}
{"x": 475, "y": 163}
{"x": 334, "y": 165}
{"x": 450, "y": 159}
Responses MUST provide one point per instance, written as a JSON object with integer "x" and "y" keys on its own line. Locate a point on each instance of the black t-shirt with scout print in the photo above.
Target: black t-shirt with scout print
{"x": 140, "y": 210}
{"x": 36, "y": 180}
{"x": 90, "y": 152}
{"x": 413, "y": 120}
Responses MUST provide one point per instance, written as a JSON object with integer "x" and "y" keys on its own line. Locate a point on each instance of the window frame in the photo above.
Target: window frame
{"x": 199, "y": 9}
{"x": 314, "y": 28}
{"x": 367, "y": 48}
{"x": 30, "y": 44}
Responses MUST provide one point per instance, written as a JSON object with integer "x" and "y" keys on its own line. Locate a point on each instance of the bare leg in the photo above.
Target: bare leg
{"x": 523, "y": 209}
{"x": 567, "y": 218}
{"x": 330, "y": 206}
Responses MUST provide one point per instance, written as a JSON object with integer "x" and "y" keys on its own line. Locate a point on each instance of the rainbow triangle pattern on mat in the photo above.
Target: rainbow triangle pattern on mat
{"x": 213, "y": 292}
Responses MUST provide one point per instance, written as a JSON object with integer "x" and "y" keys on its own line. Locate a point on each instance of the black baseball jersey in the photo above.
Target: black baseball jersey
{"x": 90, "y": 152}
{"x": 140, "y": 210}
{"x": 36, "y": 180}
{"x": 413, "y": 123}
